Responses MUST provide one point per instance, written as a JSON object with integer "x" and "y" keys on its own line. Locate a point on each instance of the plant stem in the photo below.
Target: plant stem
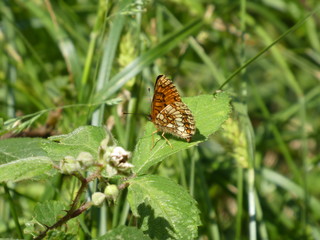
{"x": 66, "y": 218}
{"x": 74, "y": 212}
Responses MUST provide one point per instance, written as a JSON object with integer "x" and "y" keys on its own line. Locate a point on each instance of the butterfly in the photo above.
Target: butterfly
{"x": 168, "y": 113}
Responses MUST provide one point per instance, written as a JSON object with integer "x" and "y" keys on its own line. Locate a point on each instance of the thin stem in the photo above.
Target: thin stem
{"x": 66, "y": 218}
{"x": 74, "y": 212}
{"x": 13, "y": 211}
{"x": 239, "y": 203}
{"x": 290, "y": 30}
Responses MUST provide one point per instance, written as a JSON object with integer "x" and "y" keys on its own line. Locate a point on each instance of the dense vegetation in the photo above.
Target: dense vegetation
{"x": 67, "y": 64}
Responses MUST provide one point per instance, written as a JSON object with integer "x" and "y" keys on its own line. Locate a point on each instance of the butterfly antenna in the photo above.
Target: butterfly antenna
{"x": 125, "y": 113}
{"x": 143, "y": 114}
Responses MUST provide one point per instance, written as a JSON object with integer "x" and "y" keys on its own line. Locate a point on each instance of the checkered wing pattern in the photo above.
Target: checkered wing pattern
{"x": 169, "y": 113}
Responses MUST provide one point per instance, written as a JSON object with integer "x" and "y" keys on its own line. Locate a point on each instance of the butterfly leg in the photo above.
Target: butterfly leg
{"x": 153, "y": 144}
{"x": 167, "y": 140}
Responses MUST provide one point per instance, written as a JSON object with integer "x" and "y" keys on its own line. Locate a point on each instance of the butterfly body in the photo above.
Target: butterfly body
{"x": 169, "y": 113}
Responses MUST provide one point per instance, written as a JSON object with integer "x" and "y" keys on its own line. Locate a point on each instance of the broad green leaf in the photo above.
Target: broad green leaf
{"x": 23, "y": 158}
{"x": 124, "y": 233}
{"x": 209, "y": 111}
{"x": 25, "y": 168}
{"x": 83, "y": 139}
{"x": 49, "y": 212}
{"x": 166, "y": 210}
{"x": 16, "y": 148}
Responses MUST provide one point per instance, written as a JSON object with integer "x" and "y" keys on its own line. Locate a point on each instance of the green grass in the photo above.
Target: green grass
{"x": 256, "y": 178}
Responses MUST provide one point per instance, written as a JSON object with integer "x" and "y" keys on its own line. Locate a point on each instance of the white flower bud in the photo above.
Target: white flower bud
{"x": 85, "y": 159}
{"x": 109, "y": 171}
{"x": 111, "y": 192}
{"x": 69, "y": 165}
{"x": 98, "y": 198}
{"x": 119, "y": 155}
{"x": 69, "y": 159}
{"x": 125, "y": 166}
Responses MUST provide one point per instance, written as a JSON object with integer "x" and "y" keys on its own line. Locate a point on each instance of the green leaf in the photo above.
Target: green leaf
{"x": 23, "y": 158}
{"x": 209, "y": 111}
{"x": 49, "y": 212}
{"x": 61, "y": 235}
{"x": 15, "y": 148}
{"x": 124, "y": 233}
{"x": 166, "y": 210}
{"x": 83, "y": 139}
{"x": 25, "y": 168}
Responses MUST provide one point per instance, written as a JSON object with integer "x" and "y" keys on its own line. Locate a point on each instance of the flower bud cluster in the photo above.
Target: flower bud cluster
{"x": 70, "y": 165}
{"x": 111, "y": 161}
{"x": 111, "y": 192}
{"x": 115, "y": 159}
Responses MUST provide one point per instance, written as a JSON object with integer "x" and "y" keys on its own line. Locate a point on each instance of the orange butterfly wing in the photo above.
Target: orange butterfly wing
{"x": 169, "y": 113}
{"x": 165, "y": 93}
